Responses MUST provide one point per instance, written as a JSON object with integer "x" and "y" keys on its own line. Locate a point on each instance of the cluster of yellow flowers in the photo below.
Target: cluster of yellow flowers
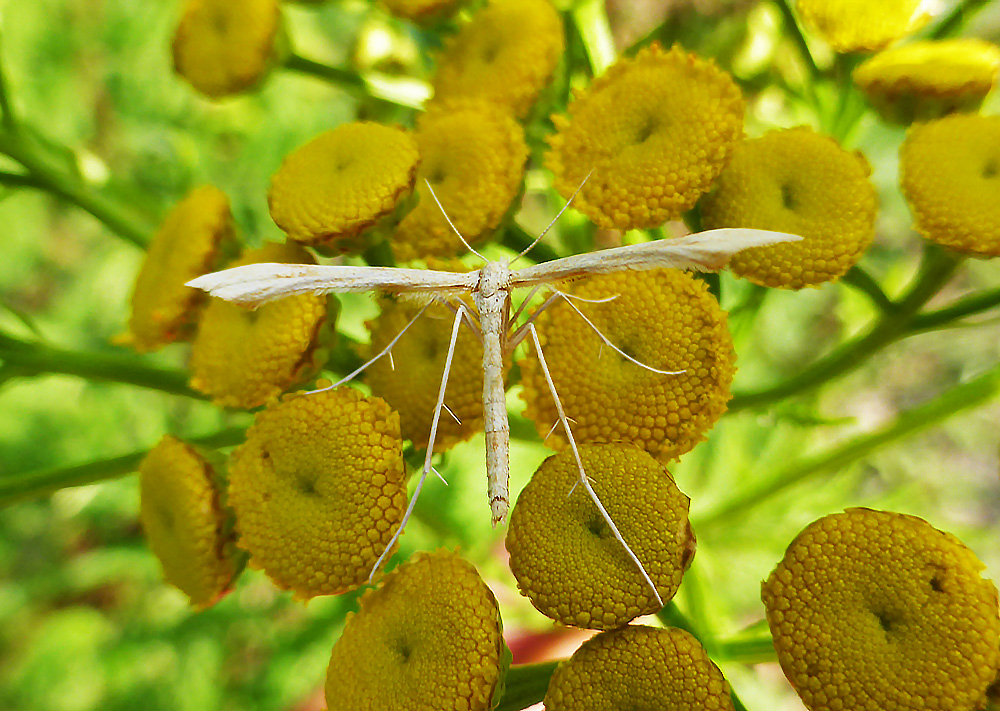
{"x": 318, "y": 489}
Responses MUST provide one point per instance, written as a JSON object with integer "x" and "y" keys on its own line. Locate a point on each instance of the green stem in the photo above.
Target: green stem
{"x": 115, "y": 216}
{"x": 938, "y": 268}
{"x": 863, "y": 282}
{"x": 591, "y": 20}
{"x": 756, "y": 650}
{"x": 21, "y": 180}
{"x": 952, "y": 24}
{"x": 962, "y": 397}
{"x": 33, "y": 358}
{"x": 799, "y": 38}
{"x": 8, "y": 117}
{"x": 26, "y": 485}
{"x": 946, "y": 316}
{"x": 517, "y": 239}
{"x": 525, "y": 685}
{"x": 406, "y": 92}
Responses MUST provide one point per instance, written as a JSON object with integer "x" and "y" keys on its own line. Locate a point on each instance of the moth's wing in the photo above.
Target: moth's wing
{"x": 256, "y": 284}
{"x": 702, "y": 251}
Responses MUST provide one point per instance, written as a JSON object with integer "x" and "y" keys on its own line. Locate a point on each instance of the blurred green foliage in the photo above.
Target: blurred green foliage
{"x": 85, "y": 621}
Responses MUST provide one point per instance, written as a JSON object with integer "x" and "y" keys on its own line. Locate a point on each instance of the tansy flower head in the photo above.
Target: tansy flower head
{"x": 474, "y": 157}
{"x": 222, "y": 47}
{"x": 638, "y": 667}
{"x": 319, "y": 489}
{"x": 879, "y": 610}
{"x": 566, "y": 559}
{"x": 429, "y": 638}
{"x": 411, "y": 387}
{"x": 242, "y": 357}
{"x": 926, "y": 80}
{"x": 665, "y": 319}
{"x": 861, "y": 25}
{"x": 801, "y": 182}
{"x": 343, "y": 183}
{"x": 423, "y": 11}
{"x": 187, "y": 245}
{"x": 655, "y": 130}
{"x": 184, "y": 521}
{"x": 950, "y": 174}
{"x": 505, "y": 55}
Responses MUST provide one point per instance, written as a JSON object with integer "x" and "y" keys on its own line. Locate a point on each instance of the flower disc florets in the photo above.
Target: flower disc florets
{"x": 567, "y": 560}
{"x": 950, "y": 174}
{"x": 343, "y": 183}
{"x": 662, "y": 318}
{"x": 505, "y": 55}
{"x": 879, "y": 610}
{"x": 319, "y": 489}
{"x": 926, "y": 80}
{"x": 638, "y": 667}
{"x": 474, "y": 157}
{"x": 222, "y": 47}
{"x": 861, "y": 25}
{"x": 801, "y": 182}
{"x": 184, "y": 521}
{"x": 242, "y": 358}
{"x": 411, "y": 387}
{"x": 429, "y": 638}
{"x": 655, "y": 130}
{"x": 186, "y": 246}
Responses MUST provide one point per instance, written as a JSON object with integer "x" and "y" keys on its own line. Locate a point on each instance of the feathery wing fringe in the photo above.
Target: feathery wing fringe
{"x": 702, "y": 251}
{"x": 256, "y": 284}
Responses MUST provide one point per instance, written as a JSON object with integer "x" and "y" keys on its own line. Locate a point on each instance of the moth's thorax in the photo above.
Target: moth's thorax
{"x": 493, "y": 279}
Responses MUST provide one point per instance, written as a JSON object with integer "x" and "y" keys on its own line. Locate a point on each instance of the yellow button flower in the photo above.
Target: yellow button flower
{"x": 424, "y": 11}
{"x": 474, "y": 157}
{"x": 638, "y": 667}
{"x": 187, "y": 245}
{"x": 665, "y": 319}
{"x": 926, "y": 80}
{"x": 861, "y": 25}
{"x": 950, "y": 174}
{"x": 344, "y": 183}
{"x": 222, "y": 47}
{"x": 428, "y": 639}
{"x": 184, "y": 521}
{"x": 411, "y": 387}
{"x": 319, "y": 489}
{"x": 655, "y": 130}
{"x": 505, "y": 55}
{"x": 566, "y": 559}
{"x": 801, "y": 182}
{"x": 242, "y": 358}
{"x": 879, "y": 610}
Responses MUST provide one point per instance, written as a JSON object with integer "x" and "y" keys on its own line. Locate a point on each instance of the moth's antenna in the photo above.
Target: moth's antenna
{"x": 454, "y": 229}
{"x": 554, "y": 219}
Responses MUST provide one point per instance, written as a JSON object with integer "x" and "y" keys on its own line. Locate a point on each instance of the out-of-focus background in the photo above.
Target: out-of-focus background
{"x": 86, "y": 622}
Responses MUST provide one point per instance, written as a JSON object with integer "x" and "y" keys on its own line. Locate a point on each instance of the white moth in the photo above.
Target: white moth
{"x": 490, "y": 287}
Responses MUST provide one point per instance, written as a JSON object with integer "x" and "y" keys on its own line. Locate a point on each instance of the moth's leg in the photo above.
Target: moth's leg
{"x": 430, "y": 440}
{"x": 514, "y": 340}
{"x": 383, "y": 352}
{"x": 517, "y": 336}
{"x": 604, "y": 339}
{"x": 470, "y": 322}
{"x": 583, "y": 475}
{"x": 524, "y": 303}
